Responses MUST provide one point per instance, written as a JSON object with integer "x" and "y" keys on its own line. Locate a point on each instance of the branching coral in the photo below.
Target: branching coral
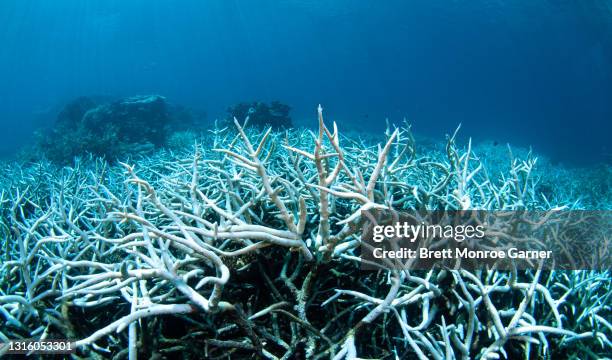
{"x": 248, "y": 245}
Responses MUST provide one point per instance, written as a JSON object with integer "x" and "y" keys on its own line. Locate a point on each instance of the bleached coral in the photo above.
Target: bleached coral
{"x": 251, "y": 243}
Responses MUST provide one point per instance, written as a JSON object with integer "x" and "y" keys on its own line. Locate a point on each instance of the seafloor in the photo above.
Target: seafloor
{"x": 246, "y": 245}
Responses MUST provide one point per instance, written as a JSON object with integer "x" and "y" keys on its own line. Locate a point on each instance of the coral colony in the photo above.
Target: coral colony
{"x": 247, "y": 246}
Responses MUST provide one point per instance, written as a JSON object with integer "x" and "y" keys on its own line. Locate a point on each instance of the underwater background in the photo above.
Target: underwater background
{"x": 202, "y": 179}
{"x": 530, "y": 73}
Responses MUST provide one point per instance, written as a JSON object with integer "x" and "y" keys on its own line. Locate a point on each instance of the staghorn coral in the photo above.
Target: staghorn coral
{"x": 247, "y": 247}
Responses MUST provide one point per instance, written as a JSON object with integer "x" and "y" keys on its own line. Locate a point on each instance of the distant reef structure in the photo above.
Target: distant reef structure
{"x": 112, "y": 128}
{"x": 261, "y": 115}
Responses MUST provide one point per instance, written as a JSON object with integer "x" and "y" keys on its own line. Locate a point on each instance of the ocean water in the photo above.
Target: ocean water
{"x": 301, "y": 179}
{"x": 536, "y": 73}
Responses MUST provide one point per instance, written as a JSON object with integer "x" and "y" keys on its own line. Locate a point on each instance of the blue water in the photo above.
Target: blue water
{"x": 526, "y": 72}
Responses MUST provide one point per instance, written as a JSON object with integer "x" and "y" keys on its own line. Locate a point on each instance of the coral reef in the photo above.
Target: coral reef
{"x": 261, "y": 115}
{"x": 246, "y": 246}
{"x": 113, "y": 128}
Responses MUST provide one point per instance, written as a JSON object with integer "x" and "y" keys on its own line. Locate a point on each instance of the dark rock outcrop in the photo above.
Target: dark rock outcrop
{"x": 275, "y": 114}
{"x": 111, "y": 129}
